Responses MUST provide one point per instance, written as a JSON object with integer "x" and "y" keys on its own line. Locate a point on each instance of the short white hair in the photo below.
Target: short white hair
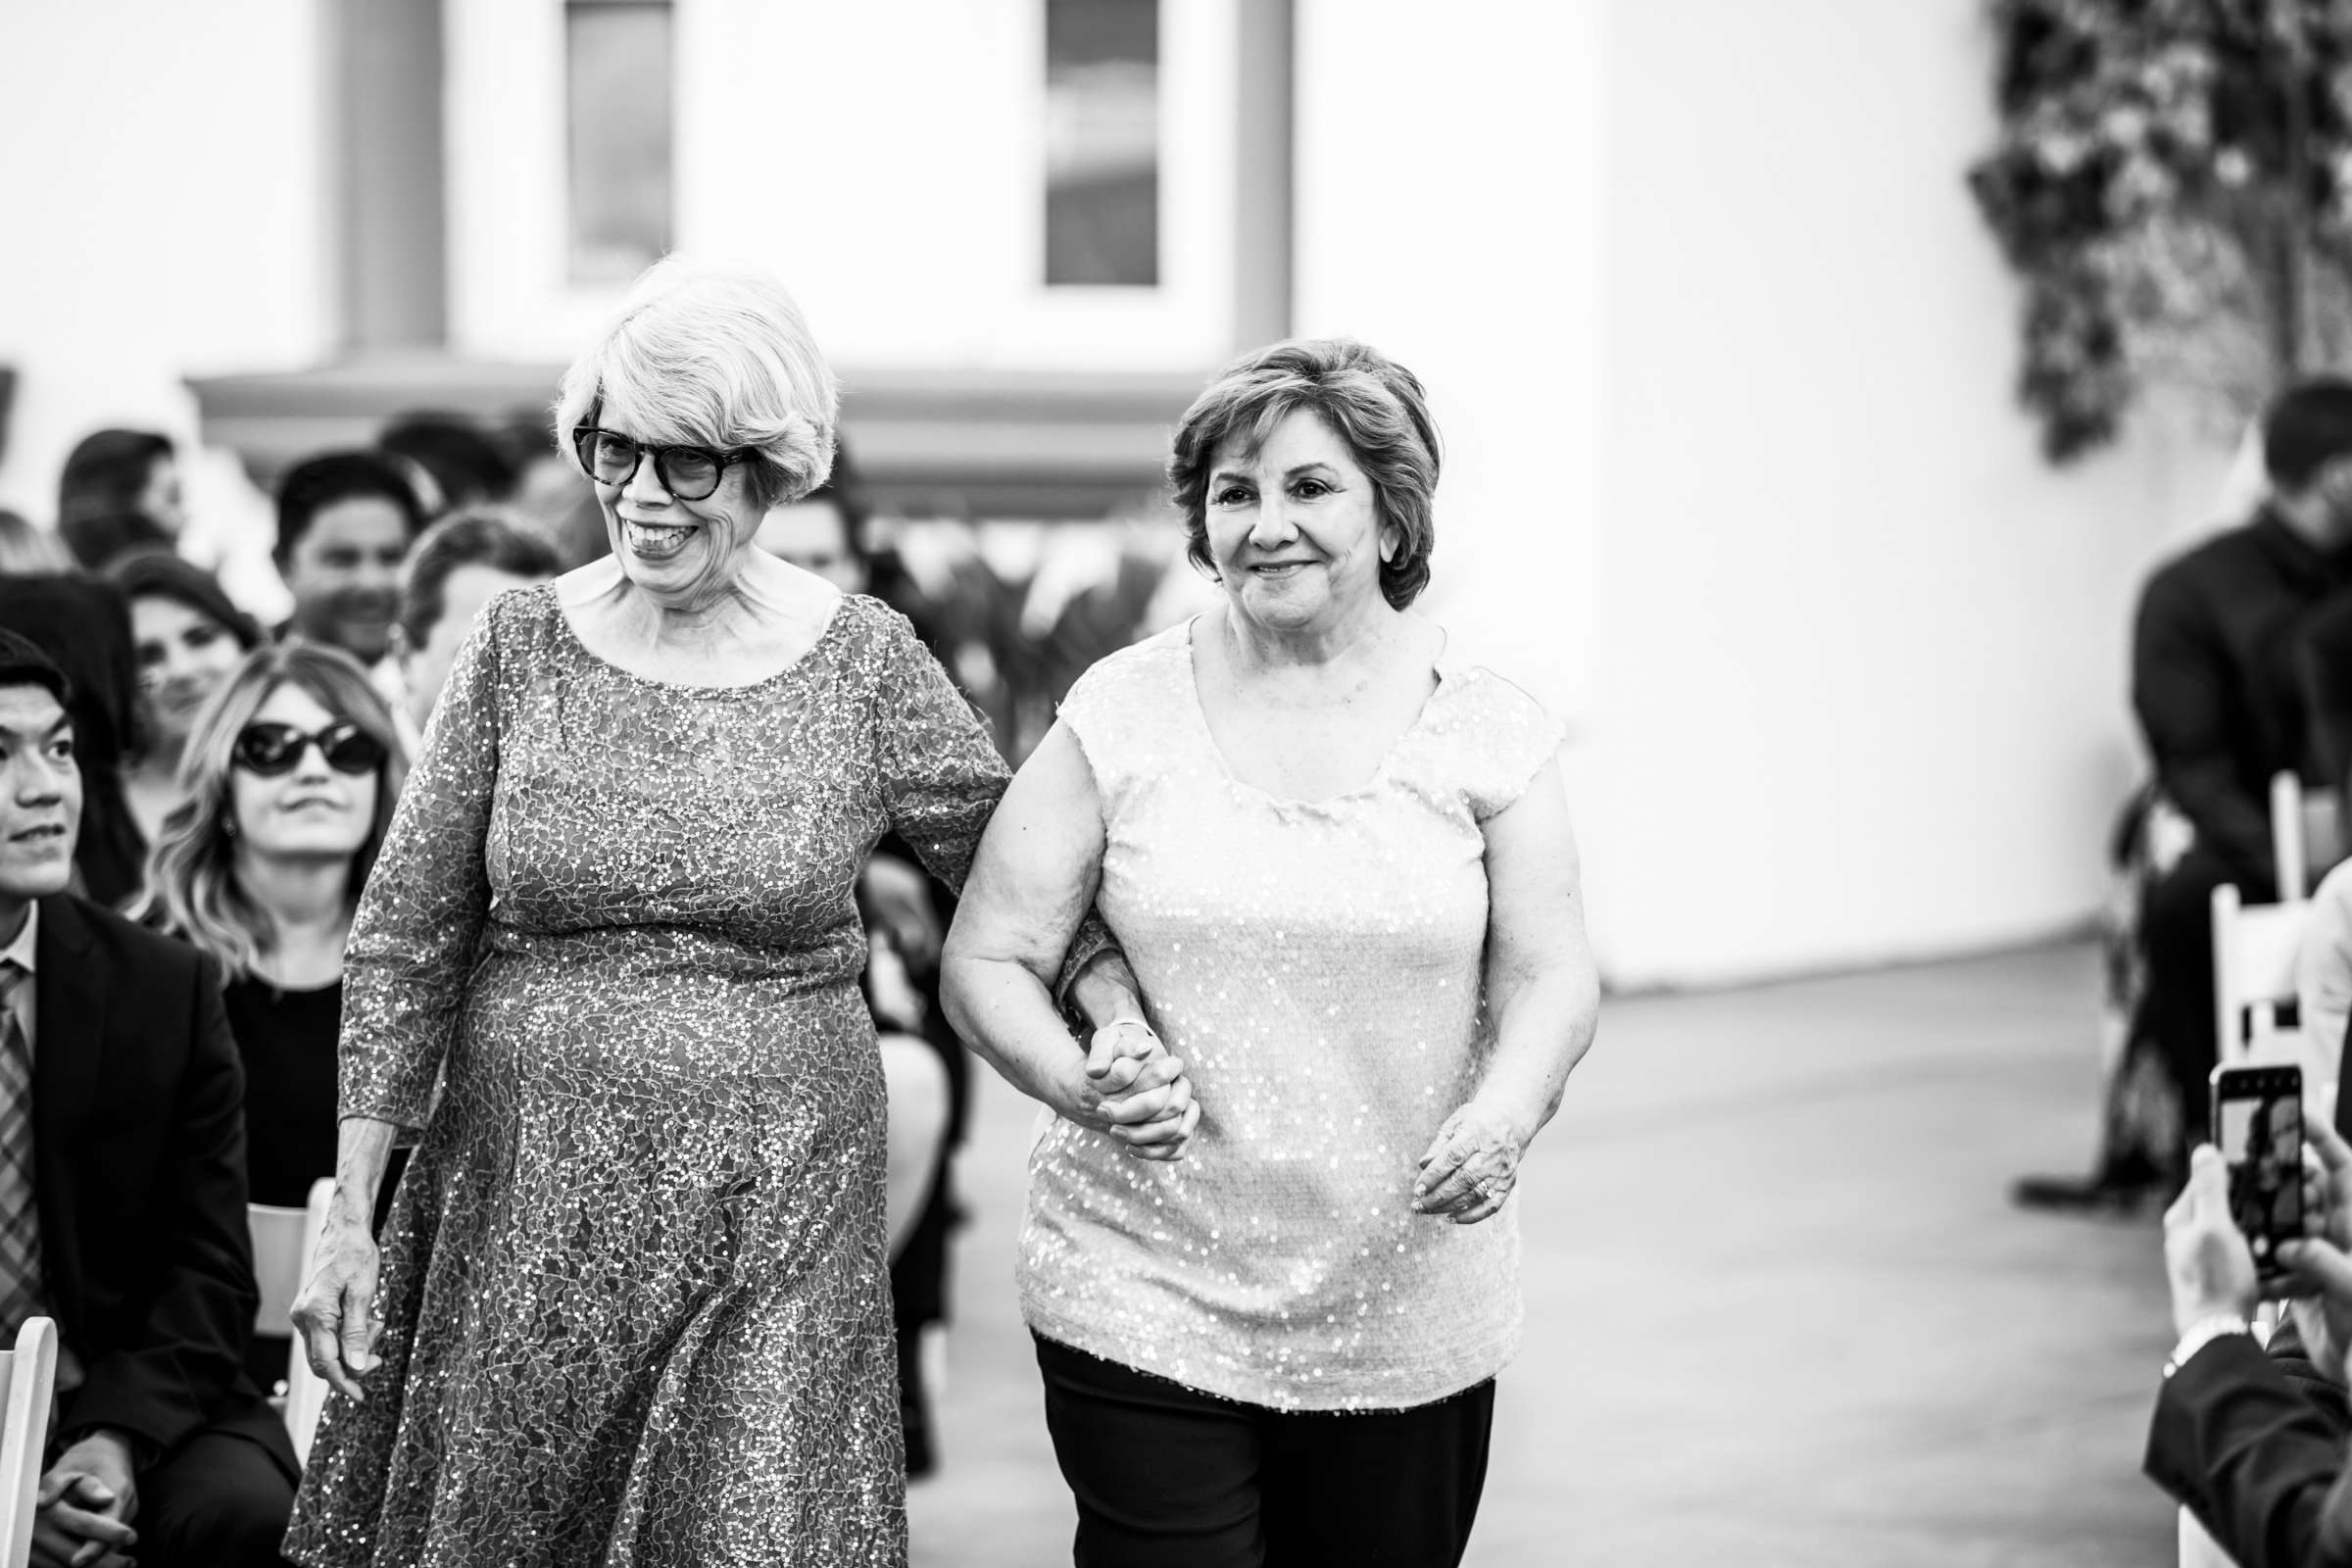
{"x": 712, "y": 357}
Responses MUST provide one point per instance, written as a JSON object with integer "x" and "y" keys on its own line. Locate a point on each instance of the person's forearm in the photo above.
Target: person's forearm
{"x": 1106, "y": 991}
{"x": 2229, "y": 823}
{"x": 1543, "y": 1029}
{"x": 363, "y": 1149}
{"x": 1002, "y": 1011}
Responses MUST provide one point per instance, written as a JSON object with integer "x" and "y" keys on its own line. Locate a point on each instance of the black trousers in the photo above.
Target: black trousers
{"x": 2176, "y": 1006}
{"x": 1166, "y": 1476}
{"x": 218, "y": 1500}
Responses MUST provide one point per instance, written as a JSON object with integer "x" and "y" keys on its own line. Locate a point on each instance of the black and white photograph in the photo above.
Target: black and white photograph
{"x": 1175, "y": 783}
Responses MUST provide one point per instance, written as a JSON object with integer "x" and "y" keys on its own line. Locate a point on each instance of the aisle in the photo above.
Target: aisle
{"x": 1780, "y": 1313}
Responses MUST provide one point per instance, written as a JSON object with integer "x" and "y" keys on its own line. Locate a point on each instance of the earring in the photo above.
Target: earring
{"x": 229, "y": 827}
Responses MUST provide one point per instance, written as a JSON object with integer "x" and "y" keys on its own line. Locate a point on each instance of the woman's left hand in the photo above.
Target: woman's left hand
{"x": 1471, "y": 1166}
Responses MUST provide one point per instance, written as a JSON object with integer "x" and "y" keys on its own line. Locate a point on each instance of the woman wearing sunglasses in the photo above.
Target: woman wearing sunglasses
{"x": 631, "y": 1306}
{"x": 286, "y": 784}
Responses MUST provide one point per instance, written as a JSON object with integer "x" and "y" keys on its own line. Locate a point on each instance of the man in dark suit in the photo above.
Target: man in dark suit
{"x": 2224, "y": 703}
{"x": 2251, "y": 1438}
{"x": 123, "y": 1194}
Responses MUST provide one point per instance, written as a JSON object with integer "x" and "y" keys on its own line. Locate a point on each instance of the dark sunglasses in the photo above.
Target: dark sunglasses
{"x": 690, "y": 473}
{"x": 274, "y": 750}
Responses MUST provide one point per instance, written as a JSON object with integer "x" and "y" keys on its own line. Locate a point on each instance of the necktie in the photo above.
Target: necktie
{"x": 19, "y": 1219}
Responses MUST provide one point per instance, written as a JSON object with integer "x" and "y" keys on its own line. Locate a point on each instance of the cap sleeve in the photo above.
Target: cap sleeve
{"x": 1502, "y": 737}
{"x": 1118, "y": 712}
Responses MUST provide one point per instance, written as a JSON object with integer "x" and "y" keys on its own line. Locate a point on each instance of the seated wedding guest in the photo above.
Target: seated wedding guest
{"x": 119, "y": 493}
{"x": 83, "y": 625}
{"x": 559, "y": 504}
{"x": 187, "y": 637}
{"x": 464, "y": 462}
{"x": 1285, "y": 1349}
{"x": 29, "y": 552}
{"x": 456, "y": 567}
{"x": 123, "y": 1194}
{"x": 288, "y": 782}
{"x": 344, "y": 523}
{"x": 2249, "y": 1438}
{"x": 2223, "y": 707}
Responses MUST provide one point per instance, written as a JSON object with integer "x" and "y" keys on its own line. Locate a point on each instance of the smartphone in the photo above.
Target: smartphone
{"x": 2258, "y": 1126}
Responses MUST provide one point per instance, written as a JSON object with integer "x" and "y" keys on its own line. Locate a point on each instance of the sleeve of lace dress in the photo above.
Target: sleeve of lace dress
{"x": 413, "y": 942}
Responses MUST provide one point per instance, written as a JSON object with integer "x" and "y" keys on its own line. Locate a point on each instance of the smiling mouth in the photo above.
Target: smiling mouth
{"x": 38, "y": 835}
{"x": 654, "y": 541}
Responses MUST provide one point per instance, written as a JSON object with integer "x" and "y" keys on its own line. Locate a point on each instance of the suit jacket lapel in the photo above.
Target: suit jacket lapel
{"x": 69, "y": 1004}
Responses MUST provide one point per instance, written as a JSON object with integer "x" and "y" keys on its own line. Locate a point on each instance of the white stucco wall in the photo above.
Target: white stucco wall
{"x": 1845, "y": 659}
{"x": 886, "y": 158}
{"x": 164, "y": 213}
{"x": 1724, "y": 357}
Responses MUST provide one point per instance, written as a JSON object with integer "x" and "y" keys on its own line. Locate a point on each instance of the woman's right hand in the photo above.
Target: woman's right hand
{"x": 1135, "y": 1092}
{"x": 337, "y": 1315}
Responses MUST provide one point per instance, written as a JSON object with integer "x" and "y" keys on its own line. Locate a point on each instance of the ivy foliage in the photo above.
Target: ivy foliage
{"x": 2173, "y": 184}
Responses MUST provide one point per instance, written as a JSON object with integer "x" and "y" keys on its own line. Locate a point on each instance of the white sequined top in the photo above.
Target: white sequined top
{"x": 1317, "y": 965}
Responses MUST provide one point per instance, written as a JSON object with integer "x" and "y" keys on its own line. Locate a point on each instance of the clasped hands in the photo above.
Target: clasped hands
{"x": 85, "y": 1505}
{"x": 1135, "y": 1092}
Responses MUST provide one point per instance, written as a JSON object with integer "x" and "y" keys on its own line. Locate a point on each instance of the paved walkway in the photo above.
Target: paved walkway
{"x": 1780, "y": 1311}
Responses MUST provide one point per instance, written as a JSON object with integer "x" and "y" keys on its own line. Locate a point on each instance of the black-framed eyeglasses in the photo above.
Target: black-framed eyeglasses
{"x": 690, "y": 473}
{"x": 276, "y": 750}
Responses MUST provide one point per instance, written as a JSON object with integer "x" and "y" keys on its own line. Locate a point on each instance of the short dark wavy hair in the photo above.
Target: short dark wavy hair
{"x": 1374, "y": 404}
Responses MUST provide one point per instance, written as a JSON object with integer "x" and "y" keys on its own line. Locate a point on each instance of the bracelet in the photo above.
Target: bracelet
{"x": 2203, "y": 1332}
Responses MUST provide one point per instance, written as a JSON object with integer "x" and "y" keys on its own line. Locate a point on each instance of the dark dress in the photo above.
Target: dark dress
{"x": 635, "y": 1298}
{"x": 286, "y": 1041}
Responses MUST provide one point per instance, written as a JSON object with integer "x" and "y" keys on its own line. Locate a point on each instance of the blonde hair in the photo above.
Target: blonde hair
{"x": 717, "y": 358}
{"x": 192, "y": 889}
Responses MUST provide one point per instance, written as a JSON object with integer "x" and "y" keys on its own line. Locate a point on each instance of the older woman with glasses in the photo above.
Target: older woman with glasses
{"x": 287, "y": 785}
{"x": 631, "y": 1308}
{"x": 1338, "y": 855}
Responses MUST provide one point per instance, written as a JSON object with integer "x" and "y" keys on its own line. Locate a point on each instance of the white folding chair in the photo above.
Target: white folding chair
{"x": 286, "y": 1242}
{"x": 306, "y": 1392}
{"x": 2307, "y": 835}
{"x": 2257, "y": 949}
{"x": 27, "y": 1379}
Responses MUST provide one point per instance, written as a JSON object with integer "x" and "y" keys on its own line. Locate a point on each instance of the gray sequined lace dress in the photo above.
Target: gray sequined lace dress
{"x": 636, "y": 1308}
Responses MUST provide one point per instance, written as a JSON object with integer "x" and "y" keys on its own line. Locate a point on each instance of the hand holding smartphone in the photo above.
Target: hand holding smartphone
{"x": 2258, "y": 1127}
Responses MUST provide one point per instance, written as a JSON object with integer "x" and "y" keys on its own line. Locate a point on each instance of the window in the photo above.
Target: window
{"x": 1103, "y": 142}
{"x": 617, "y": 59}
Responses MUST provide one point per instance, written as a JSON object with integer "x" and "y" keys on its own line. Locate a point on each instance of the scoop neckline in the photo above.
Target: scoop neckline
{"x": 840, "y": 607}
{"x": 1442, "y": 667}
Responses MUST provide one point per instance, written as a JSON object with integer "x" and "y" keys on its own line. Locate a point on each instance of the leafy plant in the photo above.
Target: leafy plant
{"x": 2173, "y": 184}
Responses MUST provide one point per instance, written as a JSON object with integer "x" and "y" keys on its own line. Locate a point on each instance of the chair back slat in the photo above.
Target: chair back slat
{"x": 277, "y": 1263}
{"x": 2257, "y": 951}
{"x": 27, "y": 1381}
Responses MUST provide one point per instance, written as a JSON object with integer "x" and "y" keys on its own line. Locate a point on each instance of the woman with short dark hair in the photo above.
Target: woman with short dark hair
{"x": 1339, "y": 859}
